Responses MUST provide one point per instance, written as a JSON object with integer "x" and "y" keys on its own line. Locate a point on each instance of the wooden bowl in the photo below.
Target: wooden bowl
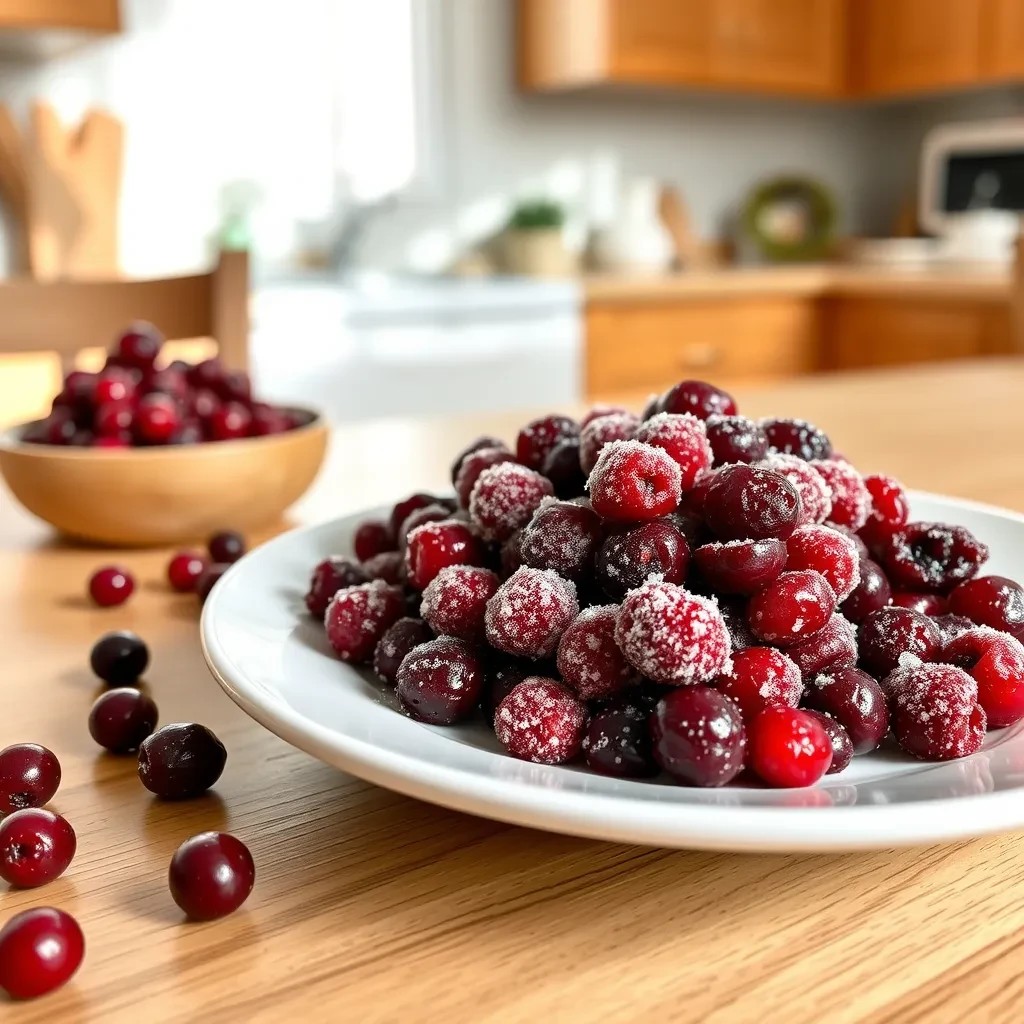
{"x": 155, "y": 496}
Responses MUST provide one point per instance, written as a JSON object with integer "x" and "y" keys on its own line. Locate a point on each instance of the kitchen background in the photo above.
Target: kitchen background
{"x": 372, "y": 157}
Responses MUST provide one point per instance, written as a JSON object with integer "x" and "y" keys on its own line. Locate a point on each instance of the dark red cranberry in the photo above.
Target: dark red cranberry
{"x": 890, "y": 509}
{"x": 539, "y": 436}
{"x": 156, "y": 419}
{"x": 851, "y": 502}
{"x": 829, "y": 552}
{"x": 181, "y": 761}
{"x": 991, "y": 601}
{"x": 618, "y": 743}
{"x": 434, "y": 546}
{"x": 789, "y": 747}
{"x": 842, "y": 747}
{"x": 761, "y": 677}
{"x": 634, "y": 482}
{"x": 504, "y": 498}
{"x": 206, "y": 374}
{"x": 932, "y": 556}
{"x": 562, "y": 468}
{"x": 267, "y": 421}
{"x": 57, "y": 429}
{"x": 428, "y": 514}
{"x": 330, "y": 576}
{"x": 121, "y": 441}
{"x": 455, "y": 601}
{"x": 890, "y": 632}
{"x": 698, "y": 736}
{"x": 652, "y": 550}
{"x": 504, "y": 674}
{"x": 169, "y": 382}
{"x": 139, "y": 345}
{"x": 36, "y": 846}
{"x": 736, "y": 439}
{"x": 698, "y": 397}
{"x": 373, "y": 536}
{"x": 562, "y": 536}
{"x": 473, "y": 465}
{"x": 530, "y": 612}
{"x": 815, "y": 496}
{"x": 926, "y": 604}
{"x": 589, "y": 659}
{"x": 404, "y": 508}
{"x": 835, "y": 644}
{"x": 29, "y": 776}
{"x": 235, "y": 386}
{"x": 797, "y": 437}
{"x": 996, "y": 662}
{"x": 794, "y": 606}
{"x": 229, "y": 422}
{"x": 388, "y": 566}
{"x": 121, "y": 719}
{"x": 226, "y": 546}
{"x": 357, "y": 618}
{"x": 110, "y": 586}
{"x": 82, "y": 439}
{"x": 184, "y": 570}
{"x": 870, "y": 594}
{"x": 542, "y": 721}
{"x": 440, "y": 682}
{"x": 741, "y": 566}
{"x": 40, "y": 949}
{"x": 511, "y": 555}
{"x": 210, "y": 576}
{"x": 748, "y": 503}
{"x": 486, "y": 441}
{"x": 113, "y": 419}
{"x": 856, "y": 702}
{"x": 114, "y": 385}
{"x": 119, "y": 658}
{"x": 211, "y": 875}
{"x": 398, "y": 640}
{"x": 684, "y": 438}
{"x": 619, "y": 426}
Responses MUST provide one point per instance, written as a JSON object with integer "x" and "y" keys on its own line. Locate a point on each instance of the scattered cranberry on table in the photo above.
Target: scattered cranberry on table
{"x": 119, "y": 658}
{"x": 226, "y": 546}
{"x": 36, "y": 846}
{"x": 110, "y": 586}
{"x": 184, "y": 570}
{"x": 181, "y": 761}
{"x": 121, "y": 719}
{"x": 40, "y": 949}
{"x": 211, "y": 875}
{"x": 209, "y": 576}
{"x": 29, "y": 776}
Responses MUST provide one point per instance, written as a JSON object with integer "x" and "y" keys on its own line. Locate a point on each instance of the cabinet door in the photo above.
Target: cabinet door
{"x": 786, "y": 45}
{"x": 916, "y": 45}
{"x": 1003, "y": 39}
{"x": 654, "y": 41}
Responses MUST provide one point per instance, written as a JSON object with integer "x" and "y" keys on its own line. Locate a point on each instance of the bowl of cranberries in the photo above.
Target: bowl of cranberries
{"x": 155, "y": 451}
{"x": 684, "y": 627}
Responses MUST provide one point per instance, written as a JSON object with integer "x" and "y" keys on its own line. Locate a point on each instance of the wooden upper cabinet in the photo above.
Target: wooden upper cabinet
{"x": 1002, "y": 45}
{"x": 660, "y": 40}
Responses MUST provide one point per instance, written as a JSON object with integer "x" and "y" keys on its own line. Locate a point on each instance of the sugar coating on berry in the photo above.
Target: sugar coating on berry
{"x": 851, "y": 500}
{"x": 829, "y": 552}
{"x": 505, "y": 497}
{"x": 815, "y": 495}
{"x": 530, "y": 612}
{"x": 541, "y": 720}
{"x": 761, "y": 677}
{"x": 735, "y": 439}
{"x": 563, "y": 536}
{"x": 685, "y": 438}
{"x": 620, "y": 426}
{"x": 932, "y": 556}
{"x": 357, "y": 618}
{"x": 455, "y": 600}
{"x": 633, "y": 482}
{"x": 834, "y": 646}
{"x": 473, "y": 465}
{"x": 540, "y": 436}
{"x": 589, "y": 659}
{"x": 673, "y": 636}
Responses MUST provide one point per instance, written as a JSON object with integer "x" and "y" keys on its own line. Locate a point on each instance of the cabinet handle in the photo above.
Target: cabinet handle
{"x": 700, "y": 356}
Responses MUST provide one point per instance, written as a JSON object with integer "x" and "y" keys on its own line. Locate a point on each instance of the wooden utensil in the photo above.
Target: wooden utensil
{"x": 676, "y": 217}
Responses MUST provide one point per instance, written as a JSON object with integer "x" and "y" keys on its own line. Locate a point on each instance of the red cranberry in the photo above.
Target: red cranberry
{"x": 473, "y": 465}
{"x": 210, "y": 575}
{"x": 633, "y": 482}
{"x": 589, "y": 659}
{"x": 119, "y": 658}
{"x": 539, "y": 436}
{"x": 371, "y": 538}
{"x": 834, "y": 645}
{"x": 504, "y": 498}
{"x": 202, "y": 404}
{"x": 267, "y": 421}
{"x": 110, "y": 586}
{"x": 181, "y": 761}
{"x": 685, "y": 439}
{"x": 440, "y": 682}
{"x": 698, "y": 736}
{"x": 428, "y": 514}
{"x": 206, "y": 374}
{"x": 936, "y": 715}
{"x": 398, "y": 640}
{"x": 996, "y": 662}
{"x": 226, "y": 546}
{"x": 851, "y": 502}
{"x": 121, "y": 719}
{"x": 79, "y": 392}
{"x": 357, "y": 618}
{"x": 794, "y": 606}
{"x": 932, "y": 556}
{"x": 890, "y": 509}
{"x": 748, "y": 503}
{"x": 235, "y": 386}
{"x": 211, "y": 875}
{"x": 842, "y": 747}
{"x": 789, "y": 748}
{"x": 139, "y": 345}
{"x": 434, "y": 546}
{"x": 815, "y": 494}
{"x": 530, "y": 612}
{"x": 760, "y": 677}
{"x": 156, "y": 419}
{"x": 330, "y": 576}
{"x": 184, "y": 570}
{"x": 40, "y": 949}
{"x": 562, "y": 536}
{"x": 562, "y": 468}
{"x": 114, "y": 419}
{"x": 741, "y": 566}
{"x": 405, "y": 508}
{"x": 485, "y": 441}
{"x": 870, "y": 594}
{"x": 618, "y": 742}
{"x": 797, "y": 437}
{"x": 736, "y": 439}
{"x": 856, "y": 702}
{"x": 655, "y": 550}
{"x": 169, "y": 382}
{"x": 121, "y": 441}
{"x": 829, "y": 552}
{"x": 621, "y": 426}
{"x": 114, "y": 385}
{"x": 455, "y": 601}
{"x": 698, "y": 397}
{"x": 388, "y": 566}
{"x": 890, "y": 632}
{"x": 672, "y": 636}
{"x": 36, "y": 846}
{"x": 542, "y": 721}
{"x": 229, "y": 422}
{"x": 926, "y": 604}
{"x": 29, "y": 776}
{"x": 991, "y": 601}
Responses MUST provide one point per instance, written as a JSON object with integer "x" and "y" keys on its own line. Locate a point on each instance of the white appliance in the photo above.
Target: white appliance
{"x": 390, "y": 346}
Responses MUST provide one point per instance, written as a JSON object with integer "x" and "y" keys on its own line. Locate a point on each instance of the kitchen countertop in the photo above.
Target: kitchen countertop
{"x": 371, "y": 906}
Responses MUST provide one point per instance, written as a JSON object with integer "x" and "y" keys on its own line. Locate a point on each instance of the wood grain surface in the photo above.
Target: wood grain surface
{"x": 370, "y": 906}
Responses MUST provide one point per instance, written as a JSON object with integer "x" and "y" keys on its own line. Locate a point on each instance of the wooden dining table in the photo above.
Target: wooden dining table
{"x": 370, "y": 906}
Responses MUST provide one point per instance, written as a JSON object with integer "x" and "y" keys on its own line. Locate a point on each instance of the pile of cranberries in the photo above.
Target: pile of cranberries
{"x": 688, "y": 591}
{"x": 139, "y": 400}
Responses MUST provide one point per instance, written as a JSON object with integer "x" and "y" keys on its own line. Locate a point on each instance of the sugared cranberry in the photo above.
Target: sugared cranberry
{"x": 562, "y": 536}
{"x": 890, "y": 632}
{"x": 562, "y": 468}
{"x": 652, "y": 550}
{"x": 110, "y": 586}
{"x": 794, "y": 606}
{"x": 473, "y": 465}
{"x": 890, "y": 509}
{"x": 996, "y": 662}
{"x": 40, "y": 949}
{"x": 226, "y": 546}
{"x": 698, "y": 736}
{"x": 184, "y": 570}
{"x": 114, "y": 419}
{"x": 210, "y": 576}
{"x": 749, "y": 503}
{"x": 440, "y": 681}
{"x": 455, "y": 601}
{"x": 211, "y": 875}
{"x": 926, "y": 604}
{"x": 685, "y": 439}
{"x": 856, "y": 702}
{"x": 789, "y": 747}
{"x": 530, "y": 612}
{"x": 181, "y": 761}
{"x": 36, "y": 846}
{"x": 634, "y": 482}
{"x": 589, "y": 659}
{"x": 539, "y": 436}
{"x": 829, "y": 552}
{"x": 991, "y": 601}
{"x": 503, "y": 676}
{"x": 398, "y": 640}
{"x": 736, "y": 439}
{"x": 357, "y": 618}
{"x": 428, "y": 514}
{"x": 797, "y": 437}
{"x": 405, "y": 508}
{"x": 330, "y": 576}
{"x": 504, "y": 498}
{"x": 542, "y": 721}
{"x": 842, "y": 747}
{"x": 672, "y": 636}
{"x": 870, "y": 594}
{"x": 121, "y": 719}
{"x": 834, "y": 645}
{"x": 29, "y": 776}
{"x": 618, "y": 742}
{"x": 815, "y": 494}
{"x": 760, "y": 677}
{"x": 851, "y": 502}
{"x": 698, "y": 397}
{"x": 119, "y": 658}
{"x": 602, "y": 431}
{"x": 388, "y": 566}
{"x": 741, "y": 566}
{"x": 936, "y": 715}
{"x": 156, "y": 419}
{"x": 932, "y": 556}
{"x": 371, "y": 538}
{"x": 434, "y": 546}
{"x": 486, "y": 441}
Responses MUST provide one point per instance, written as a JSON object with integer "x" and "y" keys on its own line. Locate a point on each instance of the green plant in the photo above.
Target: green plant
{"x": 536, "y": 215}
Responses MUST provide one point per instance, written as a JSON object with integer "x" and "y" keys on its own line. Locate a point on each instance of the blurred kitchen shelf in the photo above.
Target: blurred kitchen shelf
{"x": 40, "y": 29}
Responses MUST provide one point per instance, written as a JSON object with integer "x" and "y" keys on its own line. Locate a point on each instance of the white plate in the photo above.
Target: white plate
{"x": 275, "y": 663}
